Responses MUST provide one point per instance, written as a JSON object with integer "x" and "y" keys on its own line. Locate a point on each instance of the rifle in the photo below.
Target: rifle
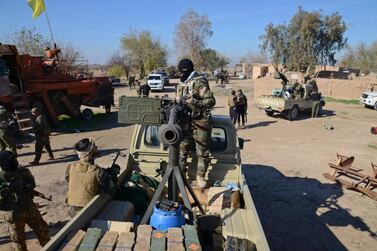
{"x": 41, "y": 195}
{"x": 116, "y": 158}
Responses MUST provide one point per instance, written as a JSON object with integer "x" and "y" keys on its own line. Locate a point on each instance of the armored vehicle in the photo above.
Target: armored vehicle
{"x": 291, "y": 100}
{"x": 238, "y": 225}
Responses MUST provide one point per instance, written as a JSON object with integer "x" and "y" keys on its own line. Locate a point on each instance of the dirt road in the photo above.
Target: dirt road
{"x": 299, "y": 209}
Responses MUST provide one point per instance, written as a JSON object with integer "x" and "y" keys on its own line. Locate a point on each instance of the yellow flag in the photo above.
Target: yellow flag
{"x": 38, "y": 6}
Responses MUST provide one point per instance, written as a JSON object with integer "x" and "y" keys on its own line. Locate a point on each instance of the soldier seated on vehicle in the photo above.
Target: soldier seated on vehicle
{"x": 17, "y": 207}
{"x": 298, "y": 89}
{"x": 86, "y": 179}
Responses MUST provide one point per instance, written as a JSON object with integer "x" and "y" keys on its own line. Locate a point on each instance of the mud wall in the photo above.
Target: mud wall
{"x": 336, "y": 88}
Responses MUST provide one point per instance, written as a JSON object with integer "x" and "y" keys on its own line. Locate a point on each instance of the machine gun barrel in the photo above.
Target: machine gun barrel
{"x": 171, "y": 133}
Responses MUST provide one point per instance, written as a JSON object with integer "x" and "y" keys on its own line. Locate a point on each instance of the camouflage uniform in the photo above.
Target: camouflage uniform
{"x": 197, "y": 132}
{"x": 17, "y": 207}
{"x": 232, "y": 108}
{"x": 42, "y": 137}
{"x": 6, "y": 139}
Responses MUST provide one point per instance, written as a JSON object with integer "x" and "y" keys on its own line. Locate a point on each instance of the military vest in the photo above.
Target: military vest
{"x": 191, "y": 89}
{"x": 83, "y": 183}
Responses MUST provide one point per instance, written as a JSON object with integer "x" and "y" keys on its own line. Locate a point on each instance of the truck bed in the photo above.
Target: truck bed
{"x": 243, "y": 223}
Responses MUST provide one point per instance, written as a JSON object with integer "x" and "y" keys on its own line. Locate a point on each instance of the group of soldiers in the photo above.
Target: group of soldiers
{"x": 237, "y": 102}
{"x": 223, "y": 76}
{"x": 86, "y": 179}
{"x": 41, "y": 130}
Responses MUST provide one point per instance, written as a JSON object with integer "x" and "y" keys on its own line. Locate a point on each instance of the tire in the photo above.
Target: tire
{"x": 269, "y": 113}
{"x": 293, "y": 113}
{"x": 87, "y": 114}
{"x": 375, "y": 106}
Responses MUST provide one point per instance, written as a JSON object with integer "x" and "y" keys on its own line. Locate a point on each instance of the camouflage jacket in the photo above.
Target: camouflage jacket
{"x": 196, "y": 89}
{"x": 4, "y": 119}
{"x": 41, "y": 127}
{"x": 16, "y": 190}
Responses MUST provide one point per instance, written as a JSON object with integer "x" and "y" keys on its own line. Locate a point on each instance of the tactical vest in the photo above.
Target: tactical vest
{"x": 83, "y": 183}
{"x": 187, "y": 89}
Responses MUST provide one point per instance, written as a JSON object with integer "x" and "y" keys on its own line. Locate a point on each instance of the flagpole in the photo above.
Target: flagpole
{"x": 51, "y": 33}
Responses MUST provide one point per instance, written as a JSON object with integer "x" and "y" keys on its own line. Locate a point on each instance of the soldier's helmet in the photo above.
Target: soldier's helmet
{"x": 8, "y": 161}
{"x": 86, "y": 149}
{"x": 35, "y": 110}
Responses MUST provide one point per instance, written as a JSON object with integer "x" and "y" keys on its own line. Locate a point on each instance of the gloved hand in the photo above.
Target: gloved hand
{"x": 115, "y": 169}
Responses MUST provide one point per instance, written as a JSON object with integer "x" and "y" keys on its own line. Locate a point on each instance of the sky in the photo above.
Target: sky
{"x": 95, "y": 27}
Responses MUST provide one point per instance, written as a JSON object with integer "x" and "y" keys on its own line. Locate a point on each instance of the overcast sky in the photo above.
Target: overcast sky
{"x": 95, "y": 26}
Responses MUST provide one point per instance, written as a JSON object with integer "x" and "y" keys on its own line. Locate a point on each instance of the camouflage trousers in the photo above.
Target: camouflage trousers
{"x": 197, "y": 138}
{"x": 40, "y": 143}
{"x": 7, "y": 141}
{"x": 315, "y": 109}
{"x": 16, "y": 226}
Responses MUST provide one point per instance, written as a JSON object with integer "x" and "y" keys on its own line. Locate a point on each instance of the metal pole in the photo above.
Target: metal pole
{"x": 173, "y": 160}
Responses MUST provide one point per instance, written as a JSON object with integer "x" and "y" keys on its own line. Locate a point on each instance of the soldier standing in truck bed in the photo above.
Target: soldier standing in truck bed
{"x": 195, "y": 90}
{"x": 6, "y": 139}
{"x": 16, "y": 202}
{"x": 42, "y": 136}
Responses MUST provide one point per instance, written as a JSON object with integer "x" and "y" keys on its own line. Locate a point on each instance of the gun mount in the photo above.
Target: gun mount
{"x": 167, "y": 114}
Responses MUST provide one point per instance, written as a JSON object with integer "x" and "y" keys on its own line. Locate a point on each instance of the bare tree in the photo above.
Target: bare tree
{"x": 28, "y": 41}
{"x": 123, "y": 60}
{"x": 70, "y": 57}
{"x": 255, "y": 58}
{"x": 191, "y": 36}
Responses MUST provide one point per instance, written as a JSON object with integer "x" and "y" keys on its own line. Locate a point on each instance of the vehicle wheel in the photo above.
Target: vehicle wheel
{"x": 87, "y": 114}
{"x": 293, "y": 113}
{"x": 375, "y": 106}
{"x": 270, "y": 113}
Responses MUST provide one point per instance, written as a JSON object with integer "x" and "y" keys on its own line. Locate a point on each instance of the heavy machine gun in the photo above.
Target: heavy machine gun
{"x": 168, "y": 115}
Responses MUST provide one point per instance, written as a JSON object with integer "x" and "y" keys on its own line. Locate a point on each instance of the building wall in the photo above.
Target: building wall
{"x": 336, "y": 88}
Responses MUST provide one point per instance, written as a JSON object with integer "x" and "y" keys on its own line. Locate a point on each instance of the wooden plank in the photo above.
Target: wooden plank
{"x": 117, "y": 210}
{"x": 81, "y": 220}
{"x": 158, "y": 240}
{"x": 113, "y": 226}
{"x": 254, "y": 229}
{"x": 175, "y": 239}
{"x": 192, "y": 242}
{"x": 90, "y": 241}
{"x": 108, "y": 241}
{"x": 74, "y": 243}
{"x": 143, "y": 238}
{"x": 125, "y": 241}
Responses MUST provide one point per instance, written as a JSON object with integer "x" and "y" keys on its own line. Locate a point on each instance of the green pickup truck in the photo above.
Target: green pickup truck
{"x": 147, "y": 152}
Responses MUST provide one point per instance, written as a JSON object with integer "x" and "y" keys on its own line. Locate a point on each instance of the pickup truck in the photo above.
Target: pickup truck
{"x": 146, "y": 152}
{"x": 289, "y": 108}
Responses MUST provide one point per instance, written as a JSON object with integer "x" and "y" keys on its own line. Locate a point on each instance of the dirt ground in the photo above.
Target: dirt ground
{"x": 284, "y": 162}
